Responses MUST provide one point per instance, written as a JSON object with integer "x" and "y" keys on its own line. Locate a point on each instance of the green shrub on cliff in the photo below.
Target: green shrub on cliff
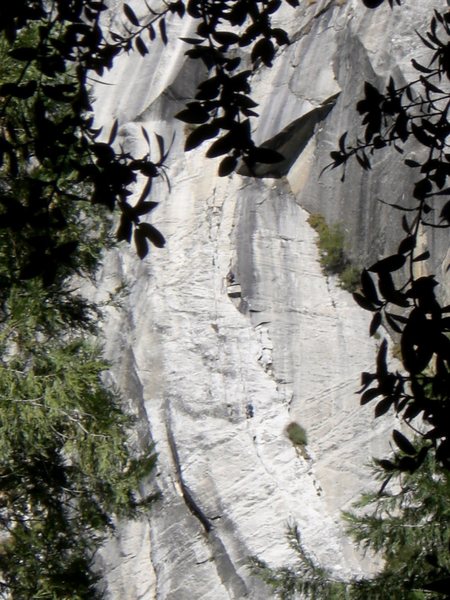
{"x": 333, "y": 259}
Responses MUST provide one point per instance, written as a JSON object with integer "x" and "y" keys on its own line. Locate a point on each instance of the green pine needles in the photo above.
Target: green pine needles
{"x": 407, "y": 523}
{"x": 66, "y": 470}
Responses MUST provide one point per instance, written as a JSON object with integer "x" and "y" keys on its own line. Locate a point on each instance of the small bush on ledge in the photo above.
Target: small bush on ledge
{"x": 333, "y": 258}
{"x": 350, "y": 278}
{"x": 297, "y": 434}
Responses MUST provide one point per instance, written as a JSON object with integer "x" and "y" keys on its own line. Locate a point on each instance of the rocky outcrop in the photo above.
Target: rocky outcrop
{"x": 232, "y": 331}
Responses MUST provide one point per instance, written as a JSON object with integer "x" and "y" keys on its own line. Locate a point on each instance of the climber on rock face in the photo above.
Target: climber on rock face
{"x": 231, "y": 278}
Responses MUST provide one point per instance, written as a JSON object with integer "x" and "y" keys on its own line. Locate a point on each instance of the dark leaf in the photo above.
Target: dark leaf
{"x": 422, "y": 188}
{"x": 369, "y": 395}
{"x": 423, "y": 137}
{"x": 125, "y": 229}
{"x": 194, "y": 113}
{"x": 140, "y": 46}
{"x": 412, "y": 163}
{"x": 113, "y": 133}
{"x": 192, "y": 41}
{"x": 210, "y": 89}
{"x": 130, "y": 14}
{"x": 227, "y": 166}
{"x": 378, "y": 142}
{"x": 405, "y": 225}
{"x": 225, "y": 37}
{"x": 407, "y": 463}
{"x": 141, "y": 243}
{"x": 366, "y": 379}
{"x": 341, "y": 142}
{"x": 417, "y": 348}
{"x": 222, "y": 146}
{"x": 244, "y": 101}
{"x": 403, "y": 443}
{"x": 363, "y": 302}
{"x": 407, "y": 244}
{"x": 19, "y": 91}
{"x": 280, "y": 36}
{"x": 363, "y": 160}
{"x": 445, "y": 212}
{"x": 162, "y": 31}
{"x": 160, "y": 141}
{"x": 368, "y": 287}
{"x": 392, "y": 322}
{"x": 389, "y": 264}
{"x": 178, "y": 8}
{"x": 420, "y": 67}
{"x": 145, "y": 134}
{"x": 232, "y": 63}
{"x": 430, "y": 87}
{"x": 265, "y": 50}
{"x": 200, "y": 134}
{"x": 155, "y": 236}
{"x": 143, "y": 208}
{"x": 381, "y": 361}
{"x": 387, "y": 287}
{"x": 382, "y": 407}
{"x": 372, "y": 3}
{"x": 375, "y": 323}
{"x": 239, "y": 82}
{"x": 423, "y": 256}
{"x": 387, "y": 465}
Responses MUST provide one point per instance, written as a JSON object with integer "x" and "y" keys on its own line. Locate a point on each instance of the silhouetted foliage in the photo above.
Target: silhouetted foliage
{"x": 66, "y": 468}
{"x": 47, "y": 132}
{"x": 406, "y": 521}
{"x": 71, "y": 41}
{"x": 58, "y": 175}
{"x": 391, "y": 289}
{"x": 222, "y": 104}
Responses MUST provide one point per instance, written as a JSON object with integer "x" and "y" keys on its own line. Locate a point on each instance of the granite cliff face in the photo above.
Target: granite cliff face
{"x": 232, "y": 331}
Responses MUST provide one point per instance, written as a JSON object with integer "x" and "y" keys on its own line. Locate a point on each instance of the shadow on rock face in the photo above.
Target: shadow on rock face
{"x": 291, "y": 141}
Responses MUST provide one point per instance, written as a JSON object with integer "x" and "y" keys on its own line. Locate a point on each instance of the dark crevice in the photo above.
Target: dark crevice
{"x": 224, "y": 565}
{"x": 192, "y": 505}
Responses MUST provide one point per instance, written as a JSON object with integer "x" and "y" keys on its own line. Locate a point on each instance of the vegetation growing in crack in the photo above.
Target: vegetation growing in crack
{"x": 297, "y": 434}
{"x": 333, "y": 258}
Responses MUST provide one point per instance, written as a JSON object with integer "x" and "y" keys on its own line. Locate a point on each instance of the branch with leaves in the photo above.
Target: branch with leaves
{"x": 407, "y": 304}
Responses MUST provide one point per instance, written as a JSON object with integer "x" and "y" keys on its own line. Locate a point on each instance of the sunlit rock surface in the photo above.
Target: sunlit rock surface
{"x": 232, "y": 332}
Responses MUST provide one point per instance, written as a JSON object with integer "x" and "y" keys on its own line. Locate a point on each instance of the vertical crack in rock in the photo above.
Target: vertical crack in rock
{"x": 192, "y": 505}
{"x": 224, "y": 566}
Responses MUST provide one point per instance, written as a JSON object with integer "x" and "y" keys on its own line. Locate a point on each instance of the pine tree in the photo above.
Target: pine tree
{"x": 66, "y": 469}
{"x": 406, "y": 523}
